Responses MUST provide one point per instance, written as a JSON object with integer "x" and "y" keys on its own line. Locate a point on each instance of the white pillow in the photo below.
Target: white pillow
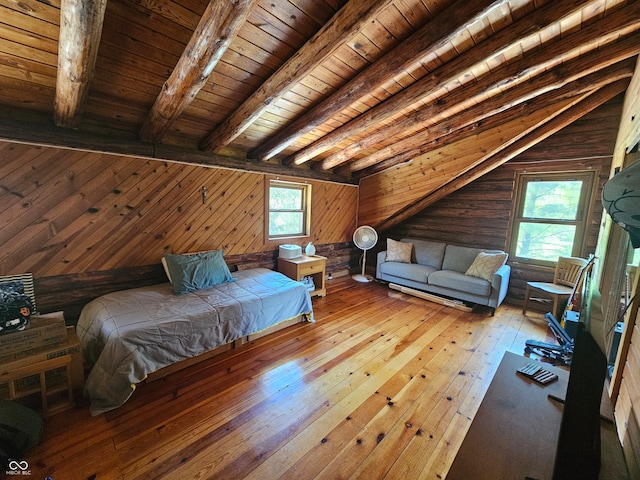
{"x": 485, "y": 265}
{"x": 398, "y": 251}
{"x": 166, "y": 269}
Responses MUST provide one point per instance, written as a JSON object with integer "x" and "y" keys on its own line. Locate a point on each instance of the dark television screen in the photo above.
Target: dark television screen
{"x": 578, "y": 451}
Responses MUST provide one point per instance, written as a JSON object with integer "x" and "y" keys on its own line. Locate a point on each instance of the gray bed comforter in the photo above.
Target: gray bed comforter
{"x": 128, "y": 334}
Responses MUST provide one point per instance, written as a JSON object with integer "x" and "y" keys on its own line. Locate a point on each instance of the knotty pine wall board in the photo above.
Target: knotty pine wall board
{"x": 625, "y": 384}
{"x": 391, "y": 191}
{"x": 68, "y": 212}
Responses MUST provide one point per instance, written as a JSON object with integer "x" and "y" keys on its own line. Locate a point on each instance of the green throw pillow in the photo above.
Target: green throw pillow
{"x": 193, "y": 271}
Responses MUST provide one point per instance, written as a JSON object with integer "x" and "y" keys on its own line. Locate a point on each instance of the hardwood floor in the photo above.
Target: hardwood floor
{"x": 383, "y": 385}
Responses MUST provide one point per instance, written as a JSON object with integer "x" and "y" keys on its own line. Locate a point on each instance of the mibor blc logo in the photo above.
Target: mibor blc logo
{"x": 18, "y": 467}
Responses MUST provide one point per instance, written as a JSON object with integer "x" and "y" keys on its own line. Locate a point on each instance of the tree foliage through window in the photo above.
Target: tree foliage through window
{"x": 550, "y": 217}
{"x": 288, "y": 214}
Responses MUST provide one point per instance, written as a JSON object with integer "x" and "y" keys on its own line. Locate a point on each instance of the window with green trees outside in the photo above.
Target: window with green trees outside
{"x": 288, "y": 209}
{"x": 551, "y": 216}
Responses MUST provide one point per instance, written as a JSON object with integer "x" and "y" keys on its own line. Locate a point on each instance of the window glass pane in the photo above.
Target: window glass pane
{"x": 552, "y": 200}
{"x": 286, "y": 223}
{"x": 282, "y": 198}
{"x": 543, "y": 241}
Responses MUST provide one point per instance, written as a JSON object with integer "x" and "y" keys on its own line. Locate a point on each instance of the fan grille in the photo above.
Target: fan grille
{"x": 365, "y": 237}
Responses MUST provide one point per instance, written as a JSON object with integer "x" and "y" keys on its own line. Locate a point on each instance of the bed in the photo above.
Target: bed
{"x": 129, "y": 334}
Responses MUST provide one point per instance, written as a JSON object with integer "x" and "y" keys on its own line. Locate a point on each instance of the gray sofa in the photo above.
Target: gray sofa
{"x": 440, "y": 268}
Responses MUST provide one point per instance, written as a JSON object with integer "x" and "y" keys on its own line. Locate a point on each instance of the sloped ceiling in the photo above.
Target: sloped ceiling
{"x": 329, "y": 89}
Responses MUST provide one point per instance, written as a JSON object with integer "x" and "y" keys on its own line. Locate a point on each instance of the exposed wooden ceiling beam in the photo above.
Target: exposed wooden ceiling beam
{"x": 80, "y": 32}
{"x": 509, "y": 76}
{"x": 440, "y": 30}
{"x": 491, "y": 47}
{"x": 485, "y": 116}
{"x": 216, "y": 30}
{"x": 40, "y": 132}
{"x": 507, "y": 151}
{"x": 344, "y": 24}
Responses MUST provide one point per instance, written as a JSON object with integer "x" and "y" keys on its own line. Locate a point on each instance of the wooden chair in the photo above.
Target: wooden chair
{"x": 564, "y": 279}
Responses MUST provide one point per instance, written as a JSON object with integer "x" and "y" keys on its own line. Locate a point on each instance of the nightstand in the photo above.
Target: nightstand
{"x": 45, "y": 359}
{"x": 306, "y": 266}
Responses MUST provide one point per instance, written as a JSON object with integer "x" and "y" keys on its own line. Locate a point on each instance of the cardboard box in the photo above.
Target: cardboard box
{"x": 71, "y": 347}
{"x": 47, "y": 330}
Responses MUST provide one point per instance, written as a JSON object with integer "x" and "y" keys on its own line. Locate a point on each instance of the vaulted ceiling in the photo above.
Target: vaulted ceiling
{"x": 329, "y": 89}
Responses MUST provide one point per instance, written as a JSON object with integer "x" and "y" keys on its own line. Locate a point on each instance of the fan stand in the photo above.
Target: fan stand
{"x": 362, "y": 277}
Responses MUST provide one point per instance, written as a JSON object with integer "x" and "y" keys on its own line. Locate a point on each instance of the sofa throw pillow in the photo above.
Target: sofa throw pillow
{"x": 398, "y": 251}
{"x": 485, "y": 265}
{"x": 193, "y": 271}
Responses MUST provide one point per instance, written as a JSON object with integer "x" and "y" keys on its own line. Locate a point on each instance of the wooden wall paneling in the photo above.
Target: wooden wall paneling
{"x": 89, "y": 231}
{"x": 45, "y": 166}
{"x": 626, "y": 424}
{"x": 184, "y": 227}
{"x": 626, "y": 403}
{"x": 19, "y": 165}
{"x": 166, "y": 209}
{"x": 102, "y": 229}
{"x": 384, "y": 193}
{"x": 107, "y": 212}
{"x": 334, "y": 212}
{"x": 113, "y": 228}
{"x": 190, "y": 222}
{"x": 632, "y": 368}
{"x": 624, "y": 387}
{"x": 69, "y": 293}
{"x": 625, "y": 376}
{"x": 46, "y": 211}
{"x": 629, "y": 132}
{"x": 158, "y": 208}
{"x": 57, "y": 253}
{"x": 238, "y": 211}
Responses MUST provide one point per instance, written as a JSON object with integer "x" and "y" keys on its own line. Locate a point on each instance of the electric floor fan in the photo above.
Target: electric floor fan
{"x": 365, "y": 238}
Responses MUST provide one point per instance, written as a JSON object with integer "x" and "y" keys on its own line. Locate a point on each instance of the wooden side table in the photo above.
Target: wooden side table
{"x": 52, "y": 371}
{"x": 34, "y": 378}
{"x": 306, "y": 266}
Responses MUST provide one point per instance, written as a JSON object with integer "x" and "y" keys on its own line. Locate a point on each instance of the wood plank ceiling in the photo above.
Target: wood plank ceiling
{"x": 330, "y": 89}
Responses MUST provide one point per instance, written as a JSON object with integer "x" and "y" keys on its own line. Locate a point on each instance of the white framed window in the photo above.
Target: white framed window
{"x": 550, "y": 218}
{"x": 288, "y": 206}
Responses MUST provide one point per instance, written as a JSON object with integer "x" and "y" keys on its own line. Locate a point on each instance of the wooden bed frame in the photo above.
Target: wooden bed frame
{"x": 176, "y": 367}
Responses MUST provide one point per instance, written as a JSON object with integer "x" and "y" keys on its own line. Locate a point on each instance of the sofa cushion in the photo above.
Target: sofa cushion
{"x": 398, "y": 251}
{"x": 486, "y": 264}
{"x": 410, "y": 271}
{"x": 427, "y": 253}
{"x": 460, "y": 281}
{"x": 459, "y": 259}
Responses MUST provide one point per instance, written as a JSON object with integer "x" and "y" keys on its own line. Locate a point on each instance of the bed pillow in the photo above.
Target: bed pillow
{"x": 485, "y": 265}
{"x": 398, "y": 251}
{"x": 193, "y": 271}
{"x": 166, "y": 269}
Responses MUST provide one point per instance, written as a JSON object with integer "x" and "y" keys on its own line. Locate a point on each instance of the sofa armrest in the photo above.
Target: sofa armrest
{"x": 500, "y": 284}
{"x": 380, "y": 258}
